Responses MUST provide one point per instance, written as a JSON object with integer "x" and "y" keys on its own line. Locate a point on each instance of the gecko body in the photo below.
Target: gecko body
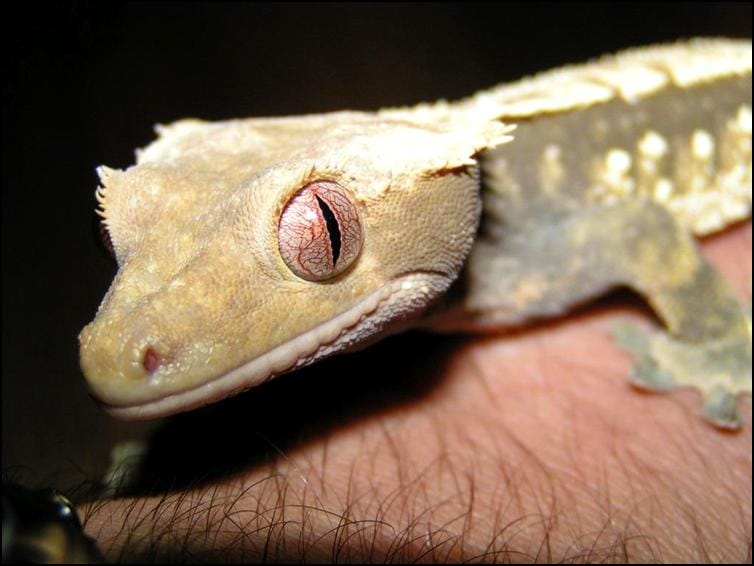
{"x": 248, "y": 248}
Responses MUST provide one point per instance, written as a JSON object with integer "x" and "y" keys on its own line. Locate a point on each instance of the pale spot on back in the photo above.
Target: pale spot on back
{"x": 702, "y": 145}
{"x": 552, "y": 171}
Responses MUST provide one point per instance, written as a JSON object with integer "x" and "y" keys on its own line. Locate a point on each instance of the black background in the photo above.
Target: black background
{"x": 85, "y": 83}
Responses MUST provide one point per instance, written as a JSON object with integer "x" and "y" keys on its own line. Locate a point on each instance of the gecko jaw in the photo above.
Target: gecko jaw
{"x": 407, "y": 294}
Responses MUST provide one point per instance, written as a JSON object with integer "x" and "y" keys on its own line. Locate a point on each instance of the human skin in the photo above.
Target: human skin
{"x": 525, "y": 446}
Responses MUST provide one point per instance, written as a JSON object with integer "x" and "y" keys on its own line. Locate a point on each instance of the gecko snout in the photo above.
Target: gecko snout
{"x": 117, "y": 367}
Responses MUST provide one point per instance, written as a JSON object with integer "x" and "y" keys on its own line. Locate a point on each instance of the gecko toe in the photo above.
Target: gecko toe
{"x": 720, "y": 407}
{"x": 645, "y": 372}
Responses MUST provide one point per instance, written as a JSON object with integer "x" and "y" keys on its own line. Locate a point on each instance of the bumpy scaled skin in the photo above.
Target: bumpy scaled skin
{"x": 240, "y": 258}
{"x": 204, "y": 304}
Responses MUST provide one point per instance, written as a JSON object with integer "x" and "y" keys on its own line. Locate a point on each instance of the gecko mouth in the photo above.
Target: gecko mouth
{"x": 407, "y": 294}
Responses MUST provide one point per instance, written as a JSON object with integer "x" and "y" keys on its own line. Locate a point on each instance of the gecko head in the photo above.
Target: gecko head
{"x": 249, "y": 248}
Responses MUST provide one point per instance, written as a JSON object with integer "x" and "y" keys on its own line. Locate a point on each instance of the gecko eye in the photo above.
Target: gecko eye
{"x": 319, "y": 234}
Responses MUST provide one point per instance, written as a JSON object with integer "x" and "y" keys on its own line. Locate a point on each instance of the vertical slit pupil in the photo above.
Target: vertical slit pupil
{"x": 333, "y": 230}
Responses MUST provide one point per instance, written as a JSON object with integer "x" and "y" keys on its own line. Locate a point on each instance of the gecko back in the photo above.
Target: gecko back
{"x": 615, "y": 165}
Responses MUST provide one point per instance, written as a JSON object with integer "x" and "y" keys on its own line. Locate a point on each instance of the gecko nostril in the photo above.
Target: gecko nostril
{"x": 151, "y": 360}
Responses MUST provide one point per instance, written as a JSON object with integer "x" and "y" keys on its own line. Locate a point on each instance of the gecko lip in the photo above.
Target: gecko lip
{"x": 296, "y": 352}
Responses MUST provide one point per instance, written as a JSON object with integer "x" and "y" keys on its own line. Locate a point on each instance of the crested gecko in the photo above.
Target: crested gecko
{"x": 249, "y": 248}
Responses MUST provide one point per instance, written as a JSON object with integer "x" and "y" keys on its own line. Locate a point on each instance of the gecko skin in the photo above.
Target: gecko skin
{"x": 248, "y": 248}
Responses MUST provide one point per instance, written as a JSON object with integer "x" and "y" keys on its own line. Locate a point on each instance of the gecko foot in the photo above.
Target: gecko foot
{"x": 719, "y": 369}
